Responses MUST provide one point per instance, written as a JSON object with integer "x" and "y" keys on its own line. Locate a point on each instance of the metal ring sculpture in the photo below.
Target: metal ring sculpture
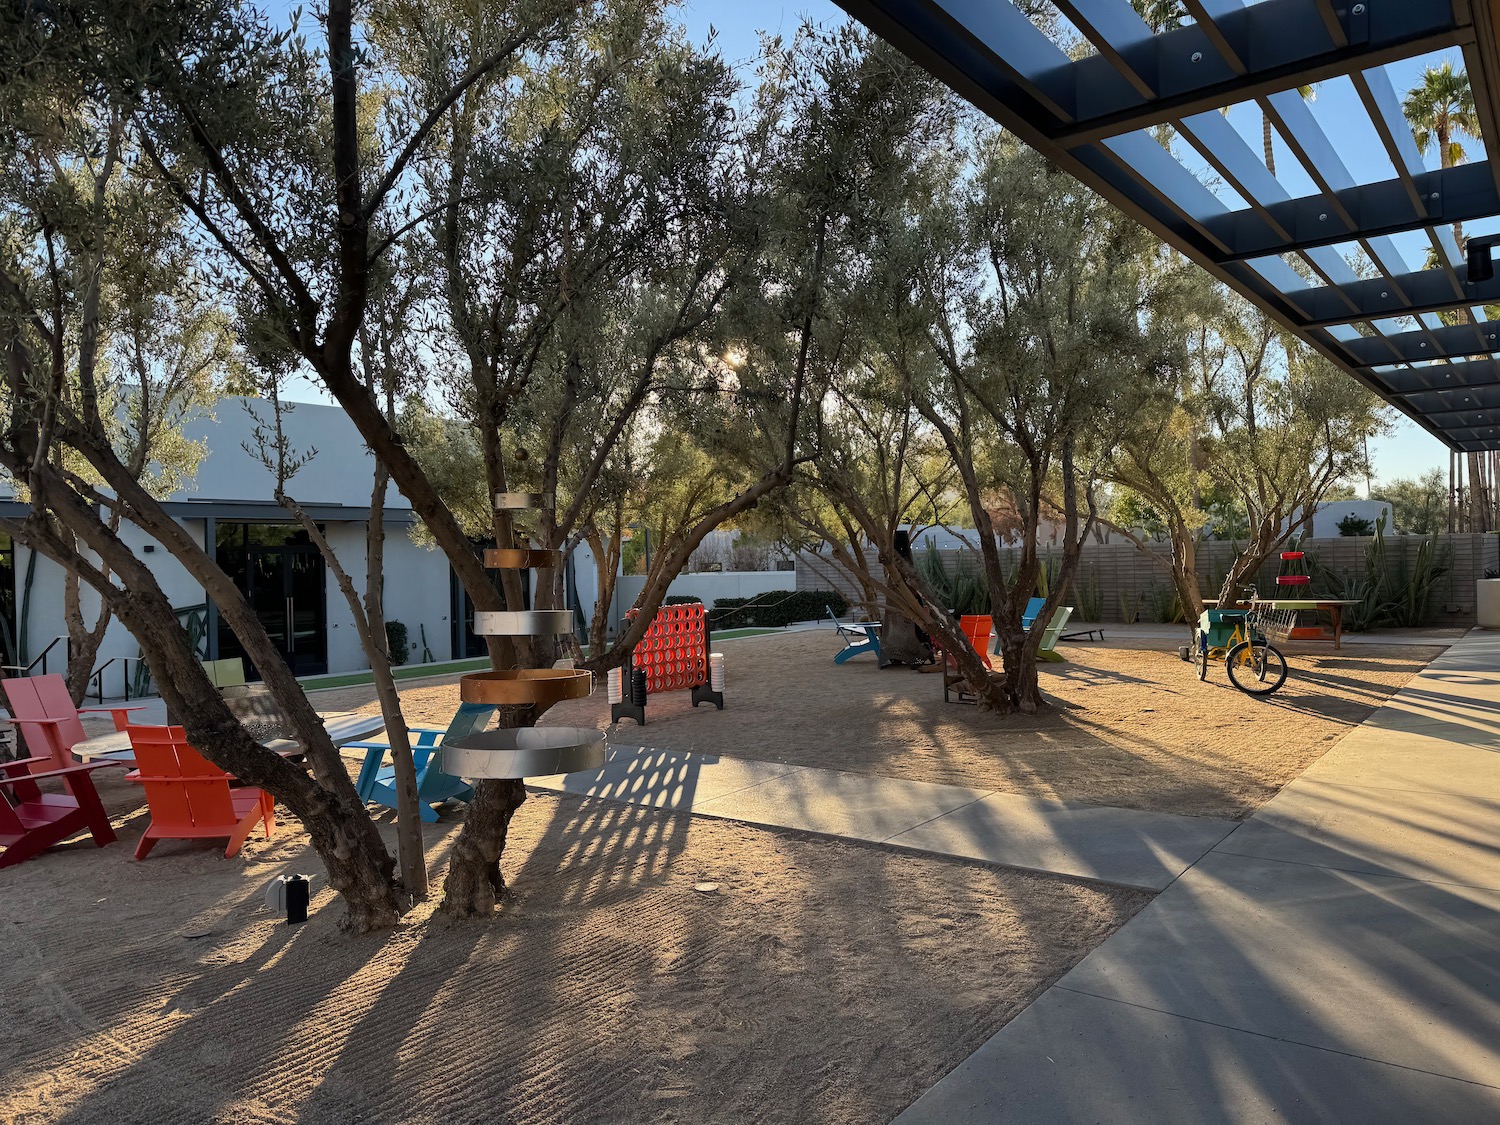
{"x": 522, "y": 752}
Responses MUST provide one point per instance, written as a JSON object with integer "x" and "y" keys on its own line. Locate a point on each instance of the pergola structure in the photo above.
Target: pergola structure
{"x": 1344, "y": 263}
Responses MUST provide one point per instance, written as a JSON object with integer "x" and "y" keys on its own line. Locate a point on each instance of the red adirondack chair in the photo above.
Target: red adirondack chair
{"x": 189, "y": 796}
{"x": 43, "y": 710}
{"x": 977, "y": 629}
{"x": 32, "y": 821}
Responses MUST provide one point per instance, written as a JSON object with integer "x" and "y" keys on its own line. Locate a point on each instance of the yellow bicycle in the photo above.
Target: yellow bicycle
{"x": 1255, "y": 666}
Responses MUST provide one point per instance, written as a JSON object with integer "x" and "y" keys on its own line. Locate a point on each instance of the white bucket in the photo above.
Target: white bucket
{"x": 716, "y": 671}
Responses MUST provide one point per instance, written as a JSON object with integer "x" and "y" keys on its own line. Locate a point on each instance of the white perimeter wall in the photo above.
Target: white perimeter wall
{"x": 709, "y": 587}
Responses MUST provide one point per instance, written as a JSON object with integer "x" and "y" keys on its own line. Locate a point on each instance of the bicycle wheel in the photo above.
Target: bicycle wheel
{"x": 1200, "y": 654}
{"x": 1255, "y": 667}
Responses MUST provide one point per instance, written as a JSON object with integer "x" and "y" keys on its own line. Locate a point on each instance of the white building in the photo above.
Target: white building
{"x": 230, "y": 510}
{"x": 1330, "y": 513}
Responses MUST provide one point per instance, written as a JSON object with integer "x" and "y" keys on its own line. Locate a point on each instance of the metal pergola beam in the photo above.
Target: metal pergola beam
{"x": 1411, "y": 385}
{"x": 1422, "y": 292}
{"x": 1451, "y": 342}
{"x": 1091, "y": 115}
{"x": 1285, "y": 44}
{"x": 1449, "y": 195}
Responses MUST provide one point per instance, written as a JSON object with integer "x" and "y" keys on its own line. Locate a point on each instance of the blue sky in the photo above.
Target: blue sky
{"x": 1409, "y": 450}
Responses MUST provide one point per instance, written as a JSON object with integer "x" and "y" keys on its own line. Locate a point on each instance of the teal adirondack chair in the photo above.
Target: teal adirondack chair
{"x": 377, "y": 781}
{"x": 858, "y": 637}
{"x": 1048, "y": 650}
{"x": 1033, "y": 607}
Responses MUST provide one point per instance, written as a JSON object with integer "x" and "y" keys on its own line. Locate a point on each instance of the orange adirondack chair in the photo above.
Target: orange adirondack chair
{"x": 190, "y": 797}
{"x": 32, "y": 821}
{"x": 43, "y": 710}
{"x": 977, "y": 630}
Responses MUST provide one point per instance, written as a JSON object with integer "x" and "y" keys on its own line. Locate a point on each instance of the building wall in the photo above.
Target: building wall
{"x": 340, "y": 471}
{"x": 47, "y": 620}
{"x": 417, "y": 588}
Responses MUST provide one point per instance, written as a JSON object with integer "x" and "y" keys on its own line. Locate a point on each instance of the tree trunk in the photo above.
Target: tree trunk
{"x": 900, "y": 642}
{"x": 83, "y": 642}
{"x": 475, "y": 884}
{"x": 369, "y": 623}
{"x": 910, "y": 592}
{"x": 1478, "y": 494}
{"x": 359, "y": 867}
{"x": 411, "y": 851}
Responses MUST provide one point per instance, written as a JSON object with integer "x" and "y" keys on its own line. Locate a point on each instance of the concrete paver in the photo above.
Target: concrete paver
{"x": 1076, "y": 1058}
{"x": 1399, "y": 970}
{"x": 1441, "y": 837}
{"x": 1336, "y": 958}
{"x": 858, "y": 806}
{"x": 1126, "y": 846}
{"x": 1138, "y": 849}
{"x": 1422, "y": 762}
{"x": 665, "y": 779}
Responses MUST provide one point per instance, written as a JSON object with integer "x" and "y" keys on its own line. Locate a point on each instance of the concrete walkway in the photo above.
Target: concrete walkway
{"x": 1124, "y": 846}
{"x": 1336, "y": 958}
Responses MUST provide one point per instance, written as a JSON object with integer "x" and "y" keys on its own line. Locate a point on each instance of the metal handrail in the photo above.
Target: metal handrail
{"x": 97, "y": 679}
{"x": 40, "y": 658}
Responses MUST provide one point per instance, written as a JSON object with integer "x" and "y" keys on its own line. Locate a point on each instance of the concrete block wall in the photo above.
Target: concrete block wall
{"x": 1128, "y": 579}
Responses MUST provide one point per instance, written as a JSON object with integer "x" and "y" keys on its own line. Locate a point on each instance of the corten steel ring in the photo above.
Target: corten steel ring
{"x": 503, "y": 558}
{"x": 524, "y": 752}
{"x": 523, "y": 622}
{"x": 514, "y": 687}
{"x": 517, "y": 501}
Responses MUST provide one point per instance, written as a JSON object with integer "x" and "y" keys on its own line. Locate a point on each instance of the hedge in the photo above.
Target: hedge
{"x": 681, "y": 599}
{"x": 397, "y": 642}
{"x": 776, "y": 608}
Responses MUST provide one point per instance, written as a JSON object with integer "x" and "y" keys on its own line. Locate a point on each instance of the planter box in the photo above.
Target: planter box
{"x": 1487, "y": 602}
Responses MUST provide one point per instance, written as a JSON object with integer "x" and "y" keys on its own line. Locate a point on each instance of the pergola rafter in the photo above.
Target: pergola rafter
{"x": 1097, "y": 116}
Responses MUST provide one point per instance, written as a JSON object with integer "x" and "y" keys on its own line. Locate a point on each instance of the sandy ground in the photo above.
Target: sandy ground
{"x": 821, "y": 981}
{"x": 1131, "y": 727}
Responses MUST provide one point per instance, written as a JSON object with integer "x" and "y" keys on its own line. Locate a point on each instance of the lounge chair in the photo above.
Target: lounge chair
{"x": 977, "y": 629}
{"x": 1033, "y": 607}
{"x": 190, "y": 797}
{"x": 858, "y": 637}
{"x": 377, "y": 781}
{"x": 43, "y": 710}
{"x": 32, "y": 821}
{"x": 1048, "y": 649}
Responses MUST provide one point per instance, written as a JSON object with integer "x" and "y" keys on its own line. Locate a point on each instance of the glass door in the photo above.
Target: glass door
{"x": 283, "y": 577}
{"x": 306, "y": 610}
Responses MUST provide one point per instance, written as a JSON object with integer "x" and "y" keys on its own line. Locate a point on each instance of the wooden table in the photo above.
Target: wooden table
{"x": 342, "y": 726}
{"x": 1334, "y": 609}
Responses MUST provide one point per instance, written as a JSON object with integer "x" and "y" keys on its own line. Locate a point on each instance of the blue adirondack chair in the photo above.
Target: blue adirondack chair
{"x": 1033, "y": 607}
{"x": 377, "y": 781}
{"x": 858, "y": 637}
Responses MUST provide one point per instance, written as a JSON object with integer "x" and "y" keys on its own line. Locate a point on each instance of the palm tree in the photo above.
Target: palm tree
{"x": 1265, "y": 129}
{"x": 1439, "y": 109}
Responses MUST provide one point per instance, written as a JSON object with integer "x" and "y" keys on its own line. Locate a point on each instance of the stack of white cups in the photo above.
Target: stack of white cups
{"x": 716, "y": 671}
{"x": 616, "y": 689}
